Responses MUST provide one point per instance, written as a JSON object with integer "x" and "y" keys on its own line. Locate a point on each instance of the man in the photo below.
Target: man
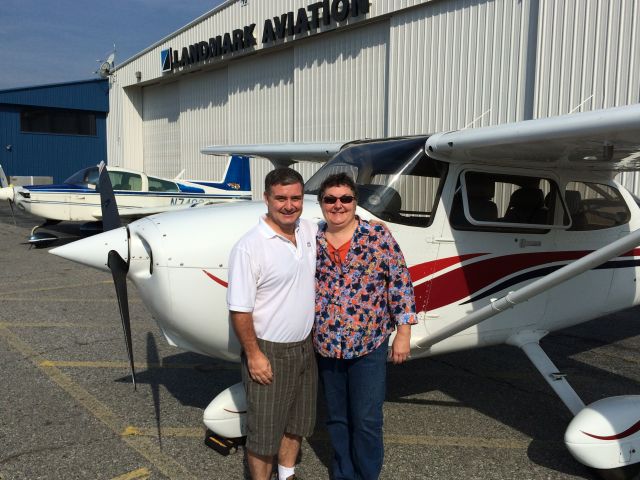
{"x": 271, "y": 298}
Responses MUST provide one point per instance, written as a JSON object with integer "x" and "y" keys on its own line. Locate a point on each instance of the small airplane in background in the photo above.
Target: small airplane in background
{"x": 510, "y": 232}
{"x": 77, "y": 199}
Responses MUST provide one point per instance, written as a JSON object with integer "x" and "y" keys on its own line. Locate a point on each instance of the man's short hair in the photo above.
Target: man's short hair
{"x": 282, "y": 176}
{"x": 337, "y": 180}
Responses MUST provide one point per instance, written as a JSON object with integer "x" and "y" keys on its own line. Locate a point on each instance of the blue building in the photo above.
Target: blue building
{"x": 53, "y": 130}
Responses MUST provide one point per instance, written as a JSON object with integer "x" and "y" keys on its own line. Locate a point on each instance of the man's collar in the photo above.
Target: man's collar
{"x": 267, "y": 230}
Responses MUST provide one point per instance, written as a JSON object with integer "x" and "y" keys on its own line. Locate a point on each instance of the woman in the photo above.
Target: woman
{"x": 363, "y": 293}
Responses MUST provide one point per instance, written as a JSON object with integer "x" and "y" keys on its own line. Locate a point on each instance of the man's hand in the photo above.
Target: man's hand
{"x": 260, "y": 368}
{"x": 400, "y": 348}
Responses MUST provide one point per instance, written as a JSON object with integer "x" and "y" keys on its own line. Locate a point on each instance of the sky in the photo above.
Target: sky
{"x": 55, "y": 41}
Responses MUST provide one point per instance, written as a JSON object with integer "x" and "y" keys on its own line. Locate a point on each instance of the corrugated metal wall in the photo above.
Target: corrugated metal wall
{"x": 411, "y": 67}
{"x": 457, "y": 64}
{"x": 54, "y": 155}
{"x": 588, "y": 55}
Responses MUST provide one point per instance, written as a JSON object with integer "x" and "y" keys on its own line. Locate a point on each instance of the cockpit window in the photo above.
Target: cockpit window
{"x": 507, "y": 203}
{"x": 397, "y": 182}
{"x": 160, "y": 185}
{"x": 88, "y": 176}
{"x": 125, "y": 181}
{"x": 594, "y": 206}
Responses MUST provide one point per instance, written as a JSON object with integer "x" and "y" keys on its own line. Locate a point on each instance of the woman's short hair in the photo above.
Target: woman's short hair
{"x": 282, "y": 176}
{"x": 337, "y": 180}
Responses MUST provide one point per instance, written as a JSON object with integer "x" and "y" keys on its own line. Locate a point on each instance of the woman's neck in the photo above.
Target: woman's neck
{"x": 340, "y": 234}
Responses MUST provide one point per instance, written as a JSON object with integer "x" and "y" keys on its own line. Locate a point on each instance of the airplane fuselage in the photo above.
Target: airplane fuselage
{"x": 73, "y": 203}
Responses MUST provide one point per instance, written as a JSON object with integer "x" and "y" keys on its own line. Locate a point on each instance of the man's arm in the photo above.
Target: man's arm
{"x": 258, "y": 363}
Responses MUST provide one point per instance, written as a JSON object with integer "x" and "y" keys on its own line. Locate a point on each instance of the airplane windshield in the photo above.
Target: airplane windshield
{"x": 397, "y": 182}
{"x": 88, "y": 176}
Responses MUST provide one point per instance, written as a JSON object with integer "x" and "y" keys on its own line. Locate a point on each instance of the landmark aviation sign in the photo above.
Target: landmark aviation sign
{"x": 287, "y": 25}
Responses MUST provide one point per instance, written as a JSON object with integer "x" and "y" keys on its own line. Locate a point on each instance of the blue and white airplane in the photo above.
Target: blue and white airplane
{"x": 78, "y": 197}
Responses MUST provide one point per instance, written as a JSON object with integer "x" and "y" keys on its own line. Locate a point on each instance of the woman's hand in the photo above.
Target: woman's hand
{"x": 400, "y": 348}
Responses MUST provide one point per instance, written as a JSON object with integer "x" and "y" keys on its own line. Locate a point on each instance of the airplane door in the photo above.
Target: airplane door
{"x": 498, "y": 236}
{"x": 599, "y": 216}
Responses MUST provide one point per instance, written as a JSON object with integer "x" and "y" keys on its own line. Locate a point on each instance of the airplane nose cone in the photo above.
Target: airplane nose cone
{"x": 94, "y": 251}
{"x": 6, "y": 193}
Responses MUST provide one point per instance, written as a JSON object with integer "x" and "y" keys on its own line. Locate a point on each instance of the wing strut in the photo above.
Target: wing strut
{"x": 592, "y": 260}
{"x": 528, "y": 342}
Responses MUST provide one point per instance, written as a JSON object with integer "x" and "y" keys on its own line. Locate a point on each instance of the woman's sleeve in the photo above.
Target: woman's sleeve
{"x": 402, "y": 303}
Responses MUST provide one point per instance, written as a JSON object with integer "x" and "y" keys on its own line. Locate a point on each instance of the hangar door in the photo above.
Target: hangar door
{"x": 161, "y": 129}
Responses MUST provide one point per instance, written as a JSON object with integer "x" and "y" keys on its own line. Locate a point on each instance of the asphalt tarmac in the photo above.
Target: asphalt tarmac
{"x": 68, "y": 409}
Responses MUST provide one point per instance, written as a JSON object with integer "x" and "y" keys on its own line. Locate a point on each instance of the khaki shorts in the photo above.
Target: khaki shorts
{"x": 288, "y": 404}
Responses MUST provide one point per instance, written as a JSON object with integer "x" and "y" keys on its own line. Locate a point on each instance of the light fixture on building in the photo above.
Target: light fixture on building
{"x": 138, "y": 75}
{"x": 8, "y": 147}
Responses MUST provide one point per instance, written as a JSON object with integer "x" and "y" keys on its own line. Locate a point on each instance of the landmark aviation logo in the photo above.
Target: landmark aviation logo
{"x": 287, "y": 25}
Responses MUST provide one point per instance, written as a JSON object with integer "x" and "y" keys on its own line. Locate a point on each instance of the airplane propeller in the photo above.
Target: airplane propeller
{"x": 8, "y": 194}
{"x": 118, "y": 266}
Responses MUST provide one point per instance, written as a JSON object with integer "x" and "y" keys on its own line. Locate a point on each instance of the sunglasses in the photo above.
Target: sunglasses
{"x": 330, "y": 199}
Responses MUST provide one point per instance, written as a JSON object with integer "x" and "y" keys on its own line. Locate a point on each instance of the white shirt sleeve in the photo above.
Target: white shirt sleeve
{"x": 241, "y": 293}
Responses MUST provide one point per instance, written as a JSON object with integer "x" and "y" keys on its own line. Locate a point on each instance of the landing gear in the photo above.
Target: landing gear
{"x": 224, "y": 446}
{"x": 43, "y": 239}
{"x": 605, "y": 435}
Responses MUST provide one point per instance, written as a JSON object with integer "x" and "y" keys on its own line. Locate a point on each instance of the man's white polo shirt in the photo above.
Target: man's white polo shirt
{"x": 275, "y": 279}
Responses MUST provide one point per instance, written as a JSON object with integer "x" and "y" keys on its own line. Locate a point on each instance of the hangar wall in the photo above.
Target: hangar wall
{"x": 407, "y": 66}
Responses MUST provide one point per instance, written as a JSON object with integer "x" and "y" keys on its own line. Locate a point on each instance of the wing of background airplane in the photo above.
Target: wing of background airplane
{"x": 280, "y": 154}
{"x": 605, "y": 140}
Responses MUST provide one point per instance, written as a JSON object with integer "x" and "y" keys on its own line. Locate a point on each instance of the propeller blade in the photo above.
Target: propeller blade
{"x": 110, "y": 215}
{"x": 119, "y": 269}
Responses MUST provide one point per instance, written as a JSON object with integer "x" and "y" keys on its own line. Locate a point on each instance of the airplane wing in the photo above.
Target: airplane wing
{"x": 605, "y": 140}
{"x": 280, "y": 154}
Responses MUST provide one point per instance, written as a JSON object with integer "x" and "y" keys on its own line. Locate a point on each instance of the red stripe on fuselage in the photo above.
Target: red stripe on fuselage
{"x": 418, "y": 272}
{"x": 627, "y": 433}
{"x": 467, "y": 280}
{"x": 216, "y": 279}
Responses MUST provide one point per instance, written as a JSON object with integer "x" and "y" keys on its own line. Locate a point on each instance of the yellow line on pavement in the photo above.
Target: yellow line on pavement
{"x": 469, "y": 442}
{"x": 58, "y": 300}
{"x": 389, "y": 439}
{"x": 141, "y": 473}
{"x": 175, "y": 432}
{"x": 59, "y": 287}
{"x": 147, "y": 447}
{"x": 140, "y": 365}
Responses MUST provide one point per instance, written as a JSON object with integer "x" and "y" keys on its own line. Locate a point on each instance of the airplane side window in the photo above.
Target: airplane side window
{"x": 505, "y": 203}
{"x": 595, "y": 206}
{"x": 159, "y": 185}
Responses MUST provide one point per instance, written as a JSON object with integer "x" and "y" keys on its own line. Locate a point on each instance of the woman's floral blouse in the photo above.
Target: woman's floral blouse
{"x": 359, "y": 303}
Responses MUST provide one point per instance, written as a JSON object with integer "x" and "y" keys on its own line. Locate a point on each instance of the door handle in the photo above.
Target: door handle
{"x": 529, "y": 243}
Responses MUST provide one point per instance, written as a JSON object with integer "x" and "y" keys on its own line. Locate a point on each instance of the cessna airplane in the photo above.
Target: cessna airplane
{"x": 137, "y": 194}
{"x": 499, "y": 225}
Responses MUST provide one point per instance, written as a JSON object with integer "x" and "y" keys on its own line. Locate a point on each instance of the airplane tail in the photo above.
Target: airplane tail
{"x": 238, "y": 173}
{"x": 3, "y": 178}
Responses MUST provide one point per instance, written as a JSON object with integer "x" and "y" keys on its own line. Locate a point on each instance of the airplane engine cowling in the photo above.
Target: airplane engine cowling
{"x": 606, "y": 434}
{"x": 226, "y": 414}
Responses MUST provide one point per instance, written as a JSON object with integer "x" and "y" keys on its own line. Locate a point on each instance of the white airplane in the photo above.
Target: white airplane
{"x": 511, "y": 232}
{"x": 137, "y": 195}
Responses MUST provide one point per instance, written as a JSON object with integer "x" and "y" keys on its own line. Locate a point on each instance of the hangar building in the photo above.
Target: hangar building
{"x": 53, "y": 130}
{"x": 271, "y": 71}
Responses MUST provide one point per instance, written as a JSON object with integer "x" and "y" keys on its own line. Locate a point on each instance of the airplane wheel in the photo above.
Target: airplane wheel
{"x": 631, "y": 472}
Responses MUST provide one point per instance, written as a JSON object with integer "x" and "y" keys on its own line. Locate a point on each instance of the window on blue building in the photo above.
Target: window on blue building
{"x": 54, "y": 120}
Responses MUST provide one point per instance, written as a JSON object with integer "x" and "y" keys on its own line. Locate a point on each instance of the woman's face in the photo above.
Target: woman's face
{"x": 339, "y": 213}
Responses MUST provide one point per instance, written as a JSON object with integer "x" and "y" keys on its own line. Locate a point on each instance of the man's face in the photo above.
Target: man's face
{"x": 284, "y": 205}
